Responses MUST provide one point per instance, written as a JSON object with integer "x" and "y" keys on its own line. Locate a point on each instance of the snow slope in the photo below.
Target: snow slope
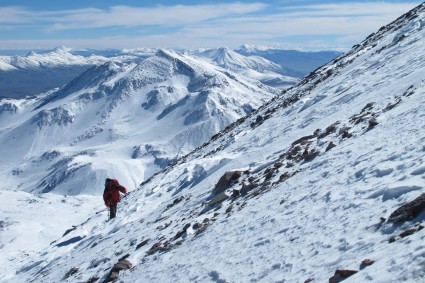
{"x": 318, "y": 170}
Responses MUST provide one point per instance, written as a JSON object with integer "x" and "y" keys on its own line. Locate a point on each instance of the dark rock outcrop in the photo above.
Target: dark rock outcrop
{"x": 226, "y": 180}
{"x": 341, "y": 274}
{"x": 122, "y": 264}
{"x": 408, "y": 211}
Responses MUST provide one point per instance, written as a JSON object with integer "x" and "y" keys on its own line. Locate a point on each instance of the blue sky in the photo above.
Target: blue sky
{"x": 292, "y": 24}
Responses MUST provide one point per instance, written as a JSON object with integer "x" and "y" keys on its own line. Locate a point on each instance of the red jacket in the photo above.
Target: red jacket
{"x": 112, "y": 192}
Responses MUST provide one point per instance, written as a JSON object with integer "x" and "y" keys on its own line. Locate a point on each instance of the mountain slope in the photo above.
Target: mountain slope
{"x": 293, "y": 192}
{"x": 300, "y": 62}
{"x": 254, "y": 67}
{"x": 34, "y": 73}
{"x": 123, "y": 120}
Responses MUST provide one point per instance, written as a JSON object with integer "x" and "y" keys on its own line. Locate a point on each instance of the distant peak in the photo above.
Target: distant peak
{"x": 62, "y": 49}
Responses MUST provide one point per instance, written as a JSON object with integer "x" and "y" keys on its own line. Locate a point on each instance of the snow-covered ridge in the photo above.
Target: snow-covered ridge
{"x": 58, "y": 56}
{"x": 298, "y": 191}
{"x": 254, "y": 67}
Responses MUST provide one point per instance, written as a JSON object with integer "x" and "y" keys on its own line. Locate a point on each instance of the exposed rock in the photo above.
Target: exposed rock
{"x": 368, "y": 106}
{"x": 408, "y": 211}
{"x": 226, "y": 180}
{"x": 182, "y": 232}
{"x": 330, "y": 146}
{"x": 284, "y": 176}
{"x": 176, "y": 201}
{"x": 71, "y": 272}
{"x": 143, "y": 243}
{"x": 310, "y": 155}
{"x": 409, "y": 232}
{"x": 405, "y": 233}
{"x": 366, "y": 262}
{"x": 235, "y": 194}
{"x": 373, "y": 122}
{"x": 341, "y": 274}
{"x": 329, "y": 130}
{"x": 161, "y": 247}
{"x": 247, "y": 187}
{"x": 69, "y": 231}
{"x": 303, "y": 140}
{"x": 92, "y": 279}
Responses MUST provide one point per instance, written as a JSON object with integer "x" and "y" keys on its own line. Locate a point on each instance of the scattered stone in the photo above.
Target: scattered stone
{"x": 226, "y": 180}
{"x": 92, "y": 279}
{"x": 196, "y": 226}
{"x": 330, "y": 146}
{"x": 182, "y": 232}
{"x": 143, "y": 243}
{"x": 71, "y": 272}
{"x": 366, "y": 262}
{"x": 308, "y": 280}
{"x": 247, "y": 187}
{"x": 368, "y": 106}
{"x": 235, "y": 193}
{"x": 278, "y": 164}
{"x": 408, "y": 211}
{"x": 229, "y": 209}
{"x": 69, "y": 230}
{"x": 392, "y": 105}
{"x": 269, "y": 173}
{"x": 303, "y": 140}
{"x": 290, "y": 164}
{"x": 409, "y": 232}
{"x": 317, "y": 132}
{"x": 373, "y": 122}
{"x": 345, "y": 134}
{"x": 201, "y": 229}
{"x": 341, "y": 274}
{"x": 310, "y": 155}
{"x": 284, "y": 176}
{"x": 282, "y": 201}
{"x": 176, "y": 201}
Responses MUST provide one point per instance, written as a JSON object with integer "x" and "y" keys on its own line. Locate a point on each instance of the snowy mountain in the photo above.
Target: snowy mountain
{"x": 254, "y": 67}
{"x": 299, "y": 62}
{"x": 31, "y": 74}
{"x": 323, "y": 183}
{"x": 125, "y": 120}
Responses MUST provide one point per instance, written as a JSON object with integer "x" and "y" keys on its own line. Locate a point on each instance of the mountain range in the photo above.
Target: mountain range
{"x": 323, "y": 181}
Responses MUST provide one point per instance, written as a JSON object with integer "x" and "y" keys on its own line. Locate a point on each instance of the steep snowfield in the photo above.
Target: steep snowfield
{"x": 302, "y": 187}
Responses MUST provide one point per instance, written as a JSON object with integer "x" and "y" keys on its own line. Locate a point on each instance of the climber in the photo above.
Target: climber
{"x": 111, "y": 195}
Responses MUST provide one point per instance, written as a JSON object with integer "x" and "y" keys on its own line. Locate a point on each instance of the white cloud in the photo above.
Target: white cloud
{"x": 125, "y": 16}
{"x": 229, "y": 24}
